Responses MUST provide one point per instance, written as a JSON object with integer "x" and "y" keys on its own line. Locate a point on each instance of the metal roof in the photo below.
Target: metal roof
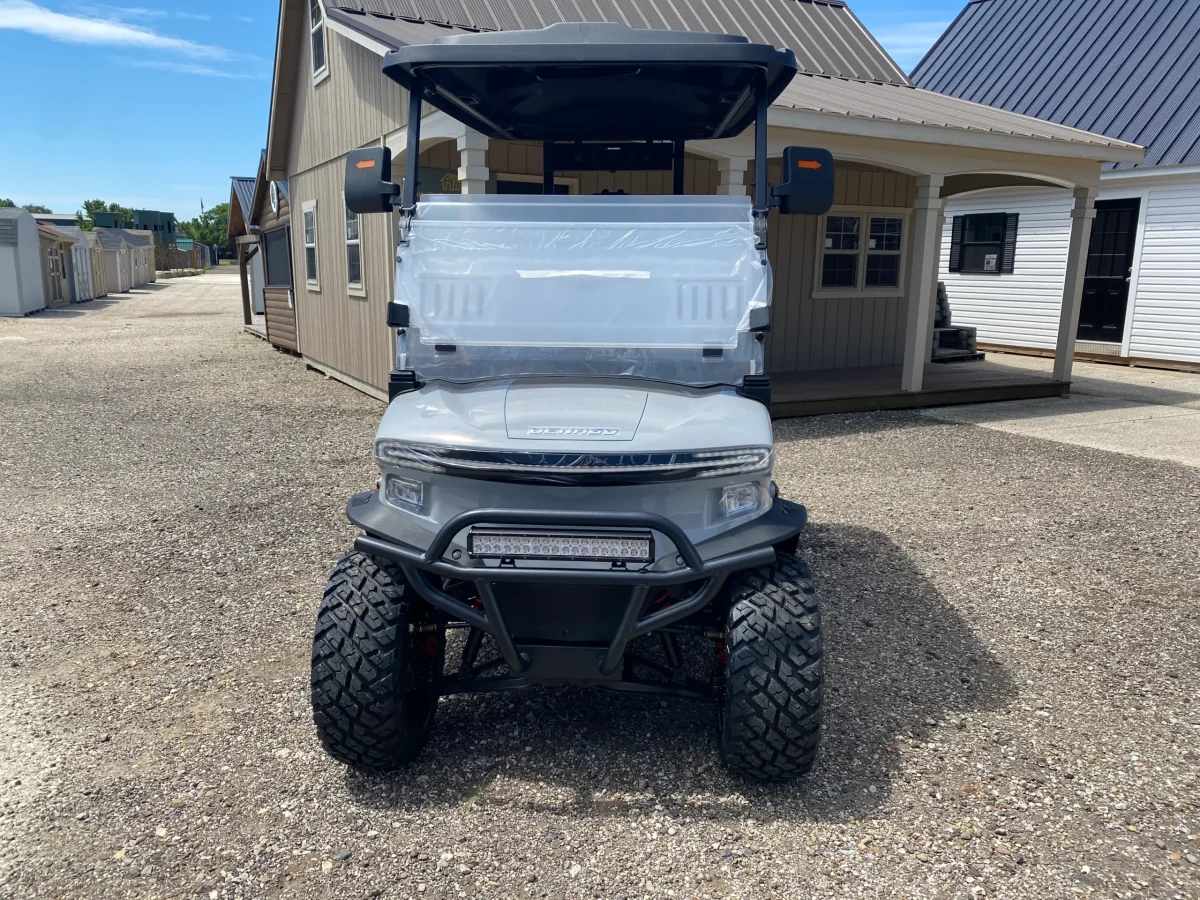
{"x": 243, "y": 189}
{"x": 825, "y": 35}
{"x": 1129, "y": 70}
{"x": 913, "y": 106}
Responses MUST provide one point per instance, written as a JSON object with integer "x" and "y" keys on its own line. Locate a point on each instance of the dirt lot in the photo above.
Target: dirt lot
{"x": 1013, "y": 635}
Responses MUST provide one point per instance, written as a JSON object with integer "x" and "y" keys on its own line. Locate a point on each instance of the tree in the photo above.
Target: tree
{"x": 210, "y": 227}
{"x": 37, "y": 208}
{"x": 5, "y": 203}
{"x": 91, "y": 207}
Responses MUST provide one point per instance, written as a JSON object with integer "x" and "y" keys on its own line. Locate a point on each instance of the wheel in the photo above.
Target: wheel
{"x": 771, "y": 709}
{"x": 374, "y": 676}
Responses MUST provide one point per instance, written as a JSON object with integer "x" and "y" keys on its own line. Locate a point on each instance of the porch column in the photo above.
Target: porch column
{"x": 241, "y": 263}
{"x": 473, "y": 170}
{"x": 1077, "y": 250}
{"x": 921, "y": 286}
{"x": 732, "y": 171}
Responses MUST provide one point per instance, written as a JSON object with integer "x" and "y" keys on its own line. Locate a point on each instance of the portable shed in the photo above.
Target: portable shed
{"x": 118, "y": 267}
{"x": 20, "y": 264}
{"x": 1127, "y": 70}
{"x": 270, "y": 218}
{"x": 855, "y": 290}
{"x": 57, "y": 276}
{"x": 84, "y": 282}
{"x": 99, "y": 273}
{"x": 249, "y": 253}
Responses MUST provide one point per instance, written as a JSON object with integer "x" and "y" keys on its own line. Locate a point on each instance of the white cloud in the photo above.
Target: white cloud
{"x": 908, "y": 42}
{"x": 24, "y": 15}
{"x": 190, "y": 15}
{"x": 191, "y": 69}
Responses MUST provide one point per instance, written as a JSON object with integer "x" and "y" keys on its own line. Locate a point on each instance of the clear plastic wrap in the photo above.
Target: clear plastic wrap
{"x": 655, "y": 287}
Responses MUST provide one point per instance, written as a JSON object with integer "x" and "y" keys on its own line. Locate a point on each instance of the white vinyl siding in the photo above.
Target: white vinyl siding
{"x": 1166, "y": 309}
{"x": 1019, "y": 309}
{"x": 1022, "y": 309}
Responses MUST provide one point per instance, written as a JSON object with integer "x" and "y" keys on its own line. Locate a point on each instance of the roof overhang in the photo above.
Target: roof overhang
{"x": 948, "y": 135}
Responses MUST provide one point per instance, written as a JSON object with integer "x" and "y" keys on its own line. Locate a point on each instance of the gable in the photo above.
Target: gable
{"x": 1098, "y": 67}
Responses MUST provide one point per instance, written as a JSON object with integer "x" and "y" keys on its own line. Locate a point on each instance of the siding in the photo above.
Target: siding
{"x": 1021, "y": 309}
{"x": 810, "y": 333}
{"x": 1166, "y": 311}
{"x": 346, "y": 333}
{"x": 353, "y": 107}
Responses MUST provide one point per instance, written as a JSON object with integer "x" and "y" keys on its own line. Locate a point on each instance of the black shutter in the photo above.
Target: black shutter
{"x": 956, "y": 233}
{"x": 1008, "y": 256}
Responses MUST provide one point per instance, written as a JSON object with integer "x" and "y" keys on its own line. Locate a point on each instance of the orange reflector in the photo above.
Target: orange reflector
{"x": 807, "y": 164}
{"x": 365, "y": 164}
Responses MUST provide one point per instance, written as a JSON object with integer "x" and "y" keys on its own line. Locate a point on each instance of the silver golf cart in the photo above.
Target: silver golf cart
{"x": 575, "y": 465}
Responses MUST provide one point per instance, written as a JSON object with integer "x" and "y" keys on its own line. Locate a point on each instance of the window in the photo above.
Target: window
{"x": 353, "y": 252}
{"x": 278, "y": 261}
{"x": 310, "y": 242}
{"x": 983, "y": 243}
{"x": 316, "y": 27}
{"x": 854, "y": 262}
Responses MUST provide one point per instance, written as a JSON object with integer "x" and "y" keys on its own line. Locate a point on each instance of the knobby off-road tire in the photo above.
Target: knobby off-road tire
{"x": 771, "y": 717}
{"x": 372, "y": 693}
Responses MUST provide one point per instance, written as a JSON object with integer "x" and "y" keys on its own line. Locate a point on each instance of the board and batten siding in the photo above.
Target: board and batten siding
{"x": 1166, "y": 309}
{"x": 1020, "y": 309}
{"x": 352, "y": 107}
{"x": 810, "y": 333}
{"x": 345, "y": 332}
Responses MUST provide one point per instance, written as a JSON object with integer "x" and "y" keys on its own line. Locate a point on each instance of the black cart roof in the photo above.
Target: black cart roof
{"x": 593, "y": 81}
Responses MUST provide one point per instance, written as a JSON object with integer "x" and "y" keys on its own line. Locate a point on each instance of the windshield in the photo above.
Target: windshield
{"x": 659, "y": 287}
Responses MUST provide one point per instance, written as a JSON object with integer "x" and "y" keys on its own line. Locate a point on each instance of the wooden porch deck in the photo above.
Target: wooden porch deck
{"x": 878, "y": 387}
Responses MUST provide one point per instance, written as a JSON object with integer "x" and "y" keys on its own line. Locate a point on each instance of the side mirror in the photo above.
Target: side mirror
{"x": 807, "y": 187}
{"x": 369, "y": 187}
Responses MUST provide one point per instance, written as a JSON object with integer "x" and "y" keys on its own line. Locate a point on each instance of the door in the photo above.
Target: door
{"x": 1109, "y": 268}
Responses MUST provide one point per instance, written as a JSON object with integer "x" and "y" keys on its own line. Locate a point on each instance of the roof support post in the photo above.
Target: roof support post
{"x": 921, "y": 287}
{"x": 678, "y": 161}
{"x": 473, "y": 171}
{"x": 412, "y": 153}
{"x": 247, "y": 318}
{"x": 1082, "y": 215}
{"x": 732, "y": 173}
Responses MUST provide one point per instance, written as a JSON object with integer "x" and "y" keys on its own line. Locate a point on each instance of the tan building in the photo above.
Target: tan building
{"x": 853, "y": 319}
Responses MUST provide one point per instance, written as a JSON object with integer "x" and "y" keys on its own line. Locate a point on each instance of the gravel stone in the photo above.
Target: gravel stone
{"x": 173, "y": 494}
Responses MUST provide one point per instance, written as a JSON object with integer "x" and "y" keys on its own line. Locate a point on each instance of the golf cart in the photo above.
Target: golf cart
{"x": 575, "y": 464}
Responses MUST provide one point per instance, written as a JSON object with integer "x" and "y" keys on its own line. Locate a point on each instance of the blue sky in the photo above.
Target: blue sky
{"x": 155, "y": 103}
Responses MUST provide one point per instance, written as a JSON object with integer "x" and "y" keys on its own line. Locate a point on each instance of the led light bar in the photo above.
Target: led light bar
{"x": 596, "y": 546}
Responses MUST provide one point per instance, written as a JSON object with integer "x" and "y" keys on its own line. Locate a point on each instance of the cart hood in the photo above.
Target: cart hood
{"x": 587, "y": 416}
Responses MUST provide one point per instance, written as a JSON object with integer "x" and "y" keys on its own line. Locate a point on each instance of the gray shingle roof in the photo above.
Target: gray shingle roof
{"x": 824, "y": 34}
{"x": 1129, "y": 70}
{"x": 113, "y": 238}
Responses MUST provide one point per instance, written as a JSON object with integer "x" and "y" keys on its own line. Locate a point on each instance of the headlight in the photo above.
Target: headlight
{"x": 739, "y": 499}
{"x": 404, "y": 493}
{"x": 573, "y": 468}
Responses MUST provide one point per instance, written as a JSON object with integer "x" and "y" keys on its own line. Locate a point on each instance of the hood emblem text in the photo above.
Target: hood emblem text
{"x": 574, "y": 432}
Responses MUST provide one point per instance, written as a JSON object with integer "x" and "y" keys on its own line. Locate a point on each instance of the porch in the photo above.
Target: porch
{"x": 868, "y": 388}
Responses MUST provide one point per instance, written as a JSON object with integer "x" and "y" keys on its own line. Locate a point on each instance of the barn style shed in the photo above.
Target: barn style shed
{"x": 854, "y": 290}
{"x": 1130, "y": 70}
{"x": 20, "y": 264}
{"x": 249, "y": 254}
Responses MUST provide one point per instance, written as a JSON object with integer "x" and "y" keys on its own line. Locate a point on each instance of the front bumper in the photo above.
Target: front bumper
{"x": 709, "y": 562}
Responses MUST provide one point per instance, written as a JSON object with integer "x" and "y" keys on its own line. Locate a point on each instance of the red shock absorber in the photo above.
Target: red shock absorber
{"x": 722, "y": 652}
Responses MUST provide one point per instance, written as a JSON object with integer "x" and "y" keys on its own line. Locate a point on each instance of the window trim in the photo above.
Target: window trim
{"x": 314, "y": 283}
{"x": 1005, "y": 257}
{"x": 865, "y": 213}
{"x": 318, "y": 75}
{"x": 354, "y": 289}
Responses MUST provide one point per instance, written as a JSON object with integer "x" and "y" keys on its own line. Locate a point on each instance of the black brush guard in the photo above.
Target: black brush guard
{"x": 708, "y": 565}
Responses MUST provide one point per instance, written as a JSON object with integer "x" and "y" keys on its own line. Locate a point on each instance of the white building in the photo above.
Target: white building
{"x": 20, "y": 264}
{"x": 1125, "y": 70}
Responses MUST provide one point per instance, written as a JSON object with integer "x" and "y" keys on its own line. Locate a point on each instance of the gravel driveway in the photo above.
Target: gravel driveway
{"x": 1013, "y": 635}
